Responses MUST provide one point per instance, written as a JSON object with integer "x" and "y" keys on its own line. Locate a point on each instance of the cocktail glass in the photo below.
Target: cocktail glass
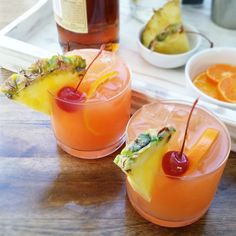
{"x": 180, "y": 201}
{"x": 96, "y": 127}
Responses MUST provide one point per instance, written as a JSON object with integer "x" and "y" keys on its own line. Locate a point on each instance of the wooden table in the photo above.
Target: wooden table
{"x": 44, "y": 191}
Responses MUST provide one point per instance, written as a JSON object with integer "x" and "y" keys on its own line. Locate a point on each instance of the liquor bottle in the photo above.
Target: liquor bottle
{"x": 86, "y": 23}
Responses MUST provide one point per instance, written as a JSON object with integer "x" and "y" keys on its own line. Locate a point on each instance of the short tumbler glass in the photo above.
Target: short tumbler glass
{"x": 180, "y": 201}
{"x": 95, "y": 128}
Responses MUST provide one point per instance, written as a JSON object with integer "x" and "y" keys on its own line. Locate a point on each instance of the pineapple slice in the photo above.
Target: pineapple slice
{"x": 32, "y": 86}
{"x": 141, "y": 159}
{"x": 164, "y": 33}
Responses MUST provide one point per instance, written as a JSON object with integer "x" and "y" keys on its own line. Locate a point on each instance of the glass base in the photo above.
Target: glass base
{"x": 92, "y": 154}
{"x": 161, "y": 222}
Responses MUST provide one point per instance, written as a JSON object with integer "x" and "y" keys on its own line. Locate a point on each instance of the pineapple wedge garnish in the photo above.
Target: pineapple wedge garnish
{"x": 140, "y": 160}
{"x": 32, "y": 86}
{"x": 164, "y": 33}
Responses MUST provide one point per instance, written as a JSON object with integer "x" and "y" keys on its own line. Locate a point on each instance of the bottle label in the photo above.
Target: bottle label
{"x": 71, "y": 15}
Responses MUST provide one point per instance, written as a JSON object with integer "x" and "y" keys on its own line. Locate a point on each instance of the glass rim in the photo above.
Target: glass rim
{"x": 123, "y": 90}
{"x": 181, "y": 102}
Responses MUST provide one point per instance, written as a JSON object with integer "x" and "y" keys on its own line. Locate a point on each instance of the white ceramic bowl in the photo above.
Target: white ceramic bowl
{"x": 200, "y": 62}
{"x": 170, "y": 60}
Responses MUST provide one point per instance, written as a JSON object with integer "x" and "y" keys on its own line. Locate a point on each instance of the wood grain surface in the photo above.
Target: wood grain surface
{"x": 44, "y": 191}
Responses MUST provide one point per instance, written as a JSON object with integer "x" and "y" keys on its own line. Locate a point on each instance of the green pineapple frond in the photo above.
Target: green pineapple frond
{"x": 128, "y": 156}
{"x": 18, "y": 81}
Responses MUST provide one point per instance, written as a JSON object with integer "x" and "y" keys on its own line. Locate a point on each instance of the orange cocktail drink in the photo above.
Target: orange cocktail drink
{"x": 95, "y": 126}
{"x": 180, "y": 200}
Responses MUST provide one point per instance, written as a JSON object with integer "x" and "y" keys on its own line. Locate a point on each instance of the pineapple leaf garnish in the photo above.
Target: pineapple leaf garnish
{"x": 129, "y": 155}
{"x": 141, "y": 160}
{"x": 39, "y": 69}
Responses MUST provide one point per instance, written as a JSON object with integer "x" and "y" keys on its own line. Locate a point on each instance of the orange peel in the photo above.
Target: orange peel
{"x": 113, "y": 47}
{"x": 94, "y": 86}
{"x": 201, "y": 147}
{"x": 98, "y": 82}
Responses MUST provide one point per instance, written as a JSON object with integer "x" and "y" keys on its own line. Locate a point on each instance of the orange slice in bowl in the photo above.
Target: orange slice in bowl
{"x": 227, "y": 89}
{"x": 218, "y": 72}
{"x": 208, "y": 87}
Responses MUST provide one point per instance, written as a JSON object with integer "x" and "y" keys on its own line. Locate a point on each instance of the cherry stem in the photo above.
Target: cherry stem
{"x": 186, "y": 128}
{"x": 204, "y": 36}
{"x": 99, "y": 53}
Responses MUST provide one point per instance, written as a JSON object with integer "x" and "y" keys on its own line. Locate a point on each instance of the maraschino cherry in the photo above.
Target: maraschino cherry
{"x": 69, "y": 97}
{"x": 175, "y": 163}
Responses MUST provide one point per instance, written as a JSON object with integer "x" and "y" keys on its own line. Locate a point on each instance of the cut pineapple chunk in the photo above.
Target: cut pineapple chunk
{"x": 36, "y": 96}
{"x": 164, "y": 32}
{"x": 141, "y": 159}
{"x": 32, "y": 86}
{"x": 174, "y": 44}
